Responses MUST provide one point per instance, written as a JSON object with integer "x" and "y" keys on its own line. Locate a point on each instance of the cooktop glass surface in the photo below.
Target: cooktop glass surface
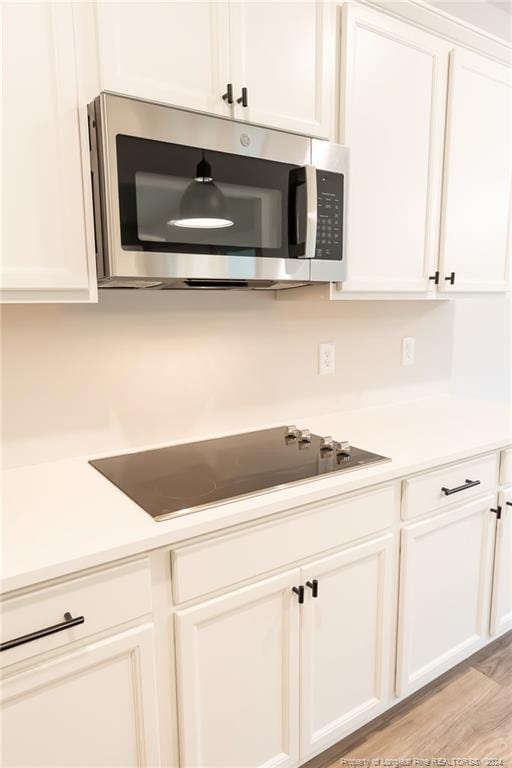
{"x": 183, "y": 478}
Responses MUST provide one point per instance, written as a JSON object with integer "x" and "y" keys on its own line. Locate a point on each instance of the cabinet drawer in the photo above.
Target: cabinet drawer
{"x": 215, "y": 564}
{"x": 424, "y": 493}
{"x": 104, "y": 599}
{"x": 506, "y": 466}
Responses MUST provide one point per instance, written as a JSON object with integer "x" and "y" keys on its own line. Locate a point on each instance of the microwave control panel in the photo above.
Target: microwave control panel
{"x": 329, "y": 231}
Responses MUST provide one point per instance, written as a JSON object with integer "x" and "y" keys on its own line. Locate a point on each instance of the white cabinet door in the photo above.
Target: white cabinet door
{"x": 237, "y": 660}
{"x": 393, "y": 90}
{"x": 95, "y": 706}
{"x": 501, "y": 612}
{"x": 172, "y": 52}
{"x": 284, "y": 54}
{"x": 47, "y": 251}
{"x": 445, "y": 582}
{"x": 475, "y": 242}
{"x": 346, "y": 644}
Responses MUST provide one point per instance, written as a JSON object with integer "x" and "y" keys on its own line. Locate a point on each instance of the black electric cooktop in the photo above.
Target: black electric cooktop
{"x": 167, "y": 482}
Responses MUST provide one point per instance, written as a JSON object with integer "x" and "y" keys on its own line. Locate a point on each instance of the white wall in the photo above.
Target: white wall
{"x": 482, "y": 350}
{"x": 150, "y": 367}
{"x": 142, "y": 368}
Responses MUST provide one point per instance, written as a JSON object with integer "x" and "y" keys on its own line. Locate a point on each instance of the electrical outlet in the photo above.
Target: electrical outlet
{"x": 408, "y": 343}
{"x": 326, "y": 358}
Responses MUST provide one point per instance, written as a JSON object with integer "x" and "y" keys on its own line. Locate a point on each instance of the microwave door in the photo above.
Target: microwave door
{"x": 166, "y": 223}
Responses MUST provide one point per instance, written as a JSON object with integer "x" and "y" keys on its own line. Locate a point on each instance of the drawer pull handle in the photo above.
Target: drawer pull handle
{"x": 467, "y": 484}
{"x": 508, "y": 503}
{"x": 68, "y": 622}
{"x": 300, "y": 592}
{"x": 497, "y": 512}
{"x": 313, "y": 585}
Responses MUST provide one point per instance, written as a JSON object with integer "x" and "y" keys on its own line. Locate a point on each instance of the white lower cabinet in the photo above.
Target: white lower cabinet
{"x": 238, "y": 667}
{"x": 445, "y": 579}
{"x": 271, "y": 673}
{"x": 346, "y": 642}
{"x": 268, "y": 675}
{"x": 501, "y": 611}
{"x": 95, "y": 706}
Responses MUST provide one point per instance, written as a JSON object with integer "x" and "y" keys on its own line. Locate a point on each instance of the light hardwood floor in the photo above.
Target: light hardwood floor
{"x": 466, "y": 713}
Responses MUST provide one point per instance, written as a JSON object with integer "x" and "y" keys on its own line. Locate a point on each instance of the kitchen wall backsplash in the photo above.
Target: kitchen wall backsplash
{"x": 145, "y": 368}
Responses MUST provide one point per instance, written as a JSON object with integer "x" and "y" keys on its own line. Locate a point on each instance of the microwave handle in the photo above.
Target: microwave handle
{"x": 311, "y": 212}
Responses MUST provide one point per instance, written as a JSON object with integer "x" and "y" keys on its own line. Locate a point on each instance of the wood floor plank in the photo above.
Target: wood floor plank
{"x": 419, "y": 732}
{"x": 498, "y": 665}
{"x": 481, "y": 726}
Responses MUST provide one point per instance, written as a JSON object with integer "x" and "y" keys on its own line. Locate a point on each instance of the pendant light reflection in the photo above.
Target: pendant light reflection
{"x": 203, "y": 206}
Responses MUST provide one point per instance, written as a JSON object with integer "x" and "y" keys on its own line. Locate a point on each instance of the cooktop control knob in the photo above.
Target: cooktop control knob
{"x": 343, "y": 447}
{"x": 292, "y": 432}
{"x": 327, "y": 443}
{"x": 304, "y": 436}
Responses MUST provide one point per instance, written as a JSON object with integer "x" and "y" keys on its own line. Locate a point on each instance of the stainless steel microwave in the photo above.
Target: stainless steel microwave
{"x": 187, "y": 200}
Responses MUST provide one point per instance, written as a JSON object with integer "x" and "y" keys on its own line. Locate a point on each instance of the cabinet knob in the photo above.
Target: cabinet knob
{"x": 313, "y": 585}
{"x": 497, "y": 512}
{"x": 243, "y": 99}
{"x": 435, "y": 278}
{"x": 451, "y": 278}
{"x": 299, "y": 591}
{"x": 228, "y": 96}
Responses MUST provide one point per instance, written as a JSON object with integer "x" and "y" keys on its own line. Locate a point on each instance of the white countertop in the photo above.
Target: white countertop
{"x": 64, "y": 516}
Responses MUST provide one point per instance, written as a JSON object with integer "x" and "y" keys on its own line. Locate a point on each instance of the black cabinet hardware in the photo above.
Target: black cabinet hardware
{"x": 313, "y": 585}
{"x": 228, "y": 96}
{"x": 497, "y": 512}
{"x": 467, "y": 484}
{"x": 300, "y": 592}
{"x": 68, "y": 622}
{"x": 451, "y": 278}
{"x": 435, "y": 278}
{"x": 243, "y": 100}
{"x": 508, "y": 503}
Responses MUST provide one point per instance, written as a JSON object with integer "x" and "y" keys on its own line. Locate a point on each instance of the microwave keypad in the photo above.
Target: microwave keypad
{"x": 330, "y": 215}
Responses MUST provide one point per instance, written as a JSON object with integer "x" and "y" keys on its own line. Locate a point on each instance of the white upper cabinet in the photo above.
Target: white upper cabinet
{"x": 283, "y": 54}
{"x": 47, "y": 238}
{"x": 172, "y": 52}
{"x": 475, "y": 242}
{"x": 392, "y": 101}
{"x": 185, "y": 54}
